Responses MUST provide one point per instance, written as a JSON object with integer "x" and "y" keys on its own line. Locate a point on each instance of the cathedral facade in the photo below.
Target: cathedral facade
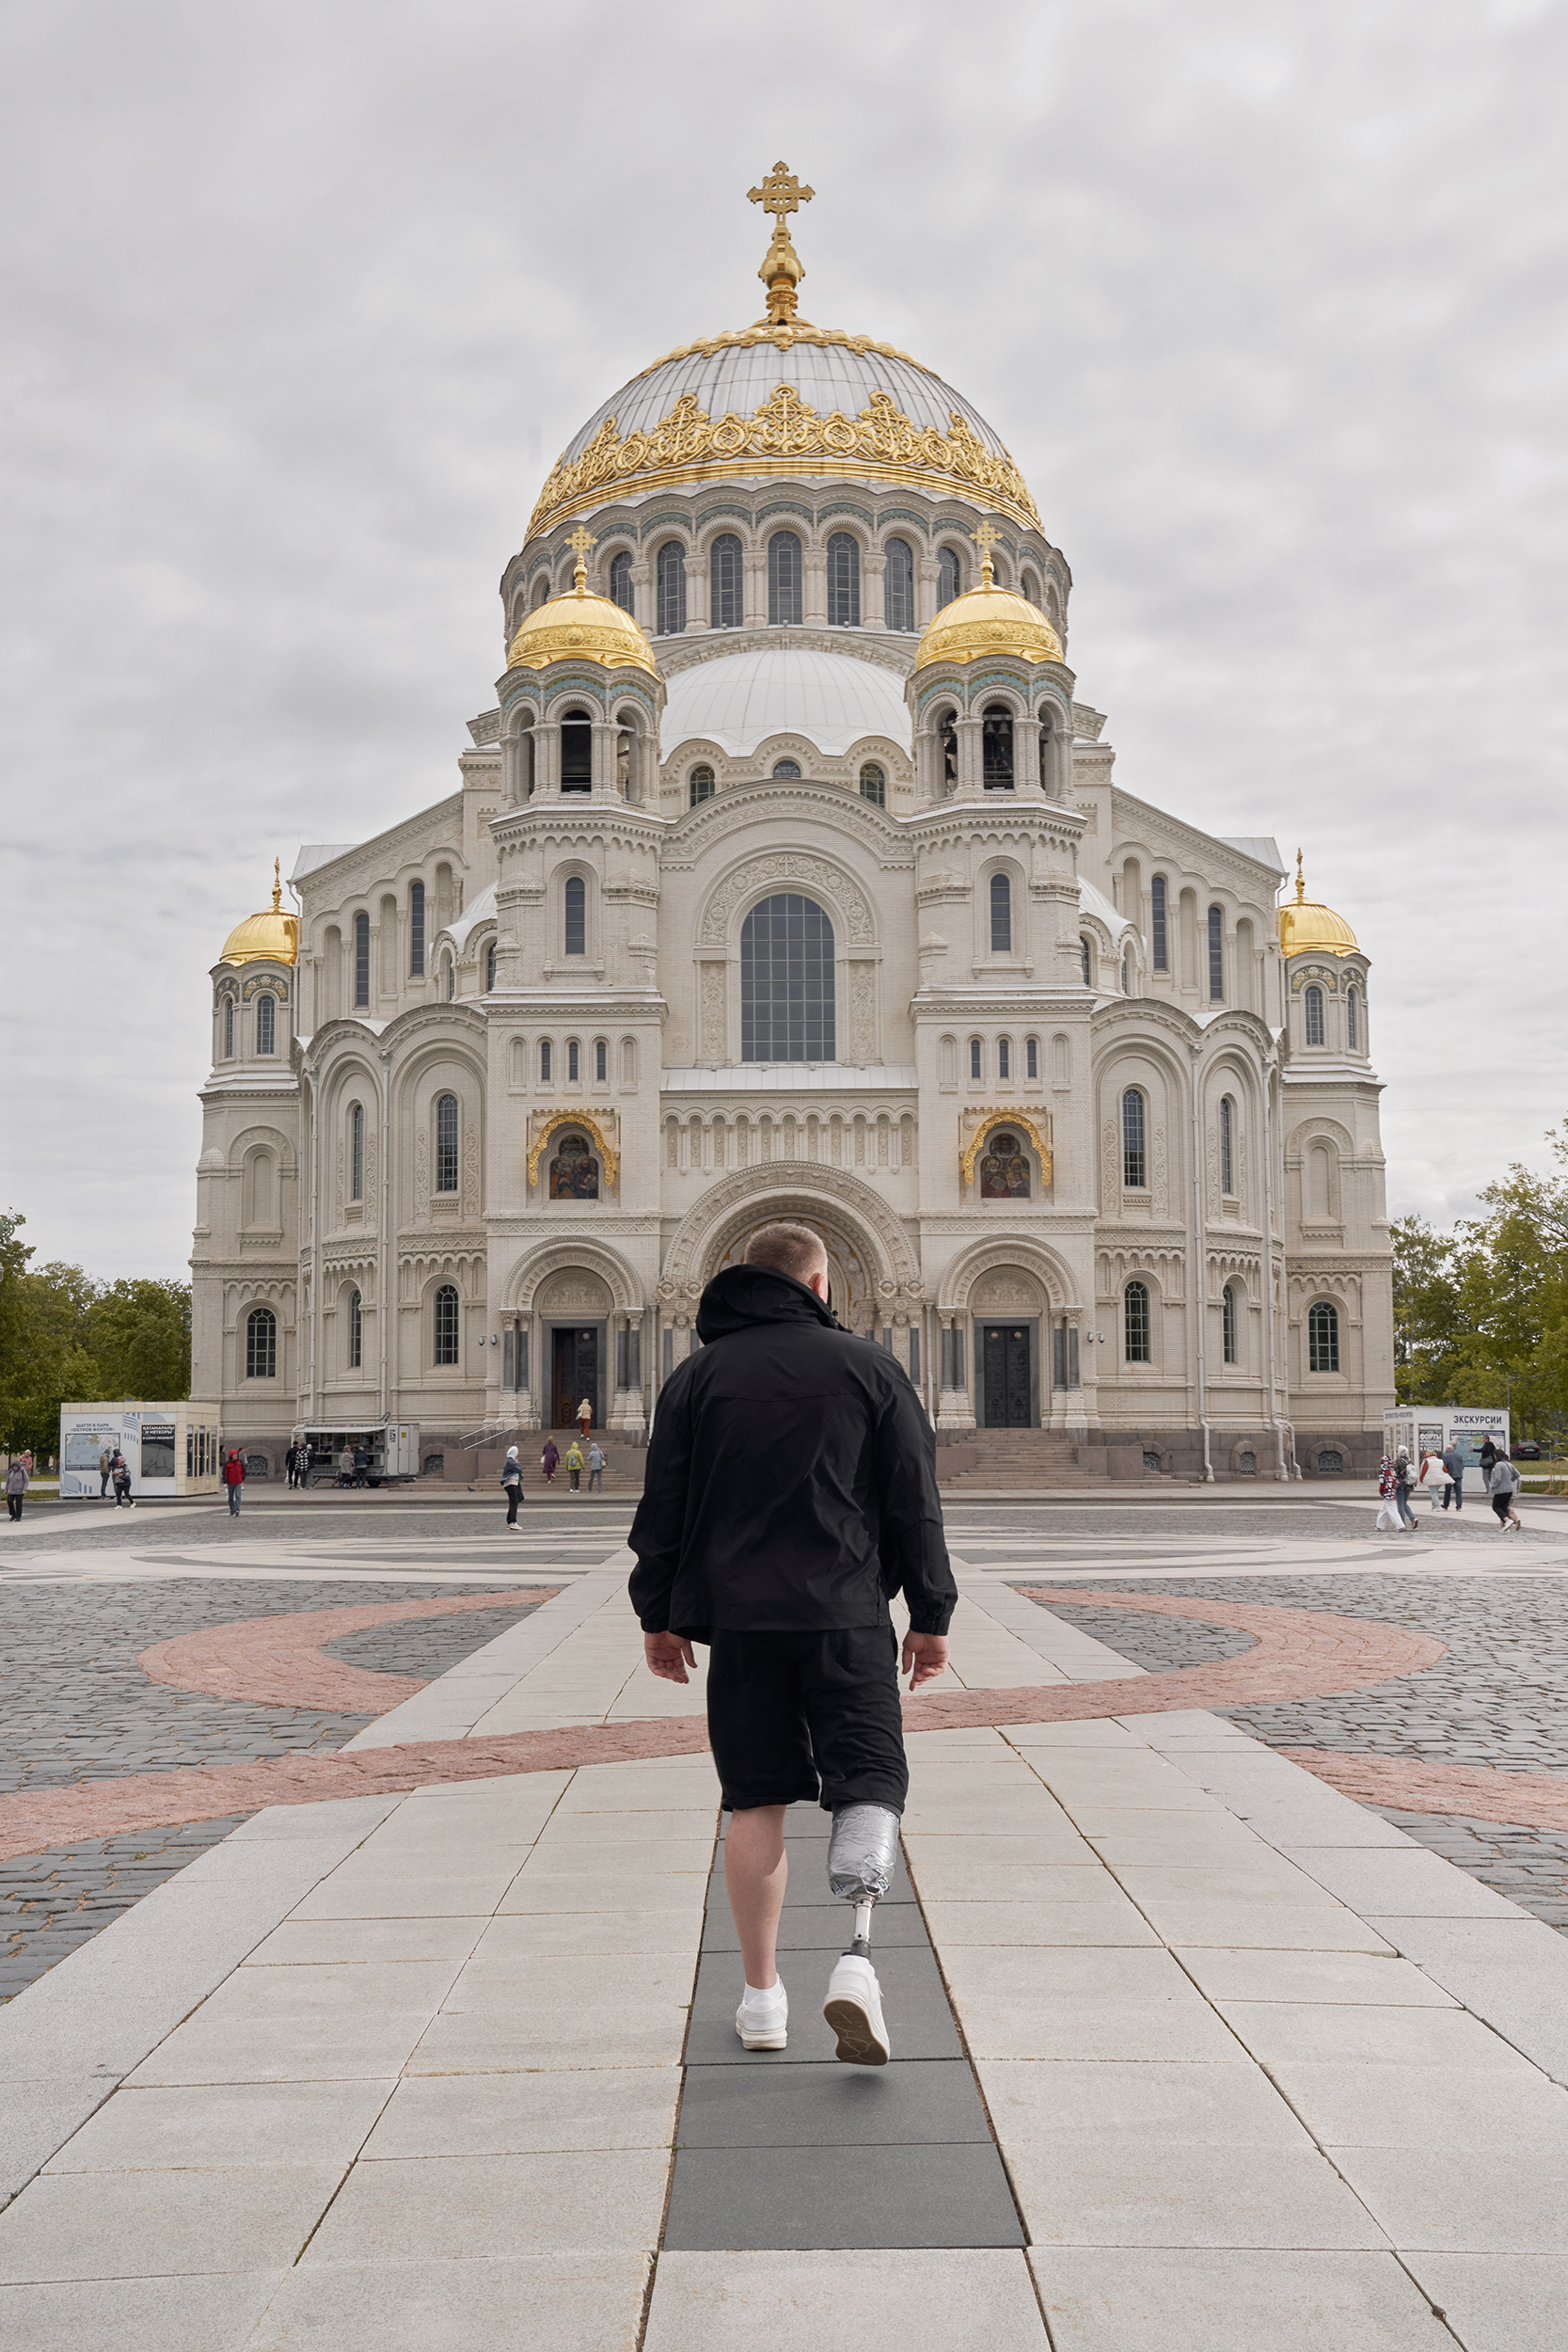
{"x": 788, "y": 875}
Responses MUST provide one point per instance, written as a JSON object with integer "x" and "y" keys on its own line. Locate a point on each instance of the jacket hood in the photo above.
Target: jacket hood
{"x": 744, "y": 1295}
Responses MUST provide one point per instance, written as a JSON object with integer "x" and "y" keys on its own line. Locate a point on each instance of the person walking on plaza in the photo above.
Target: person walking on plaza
{"x": 1503, "y": 1483}
{"x": 550, "y": 1461}
{"x": 361, "y": 1461}
{"x": 1389, "y": 1515}
{"x": 106, "y": 1472}
{"x": 574, "y": 1465}
{"x": 1453, "y": 1463}
{"x": 122, "y": 1483}
{"x": 790, "y": 1493}
{"x": 1404, "y": 1481}
{"x": 585, "y": 1419}
{"x": 16, "y": 1486}
{"x": 595, "y": 1467}
{"x": 512, "y": 1480}
{"x": 1488, "y": 1455}
{"x": 233, "y": 1478}
{"x": 1434, "y": 1479}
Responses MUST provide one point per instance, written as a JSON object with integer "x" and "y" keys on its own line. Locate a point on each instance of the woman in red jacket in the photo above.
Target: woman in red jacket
{"x": 233, "y": 1478}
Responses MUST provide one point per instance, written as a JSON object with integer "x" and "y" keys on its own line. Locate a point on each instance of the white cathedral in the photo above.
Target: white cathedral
{"x": 787, "y": 877}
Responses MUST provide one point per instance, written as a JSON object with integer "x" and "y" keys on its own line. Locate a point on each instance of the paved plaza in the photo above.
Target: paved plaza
{"x": 372, "y": 1984}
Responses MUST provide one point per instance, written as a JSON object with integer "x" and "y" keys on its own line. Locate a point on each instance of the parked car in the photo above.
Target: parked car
{"x": 1526, "y": 1450}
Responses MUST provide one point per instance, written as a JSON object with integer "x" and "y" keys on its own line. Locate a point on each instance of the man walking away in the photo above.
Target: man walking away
{"x": 596, "y": 1466}
{"x": 791, "y": 1492}
{"x": 233, "y": 1478}
{"x": 1453, "y": 1463}
{"x": 1503, "y": 1484}
{"x": 16, "y": 1486}
{"x": 512, "y": 1479}
{"x": 106, "y": 1472}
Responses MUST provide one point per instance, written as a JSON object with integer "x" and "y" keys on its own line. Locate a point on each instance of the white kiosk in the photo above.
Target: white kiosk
{"x": 168, "y": 1449}
{"x": 1433, "y": 1428}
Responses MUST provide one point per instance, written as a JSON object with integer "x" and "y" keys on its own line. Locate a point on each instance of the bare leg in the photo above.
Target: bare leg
{"x": 757, "y": 1871}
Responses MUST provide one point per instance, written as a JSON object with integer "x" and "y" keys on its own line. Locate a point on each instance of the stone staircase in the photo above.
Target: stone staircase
{"x": 1000, "y": 1458}
{"x": 481, "y": 1465}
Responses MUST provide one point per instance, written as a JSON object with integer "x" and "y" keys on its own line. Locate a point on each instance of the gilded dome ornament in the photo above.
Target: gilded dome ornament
{"x": 270, "y": 937}
{"x": 1308, "y": 928}
{"x": 581, "y": 627}
{"x": 781, "y": 270}
{"x": 988, "y": 620}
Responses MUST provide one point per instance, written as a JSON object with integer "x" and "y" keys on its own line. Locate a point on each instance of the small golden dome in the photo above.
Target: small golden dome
{"x": 1305, "y": 925}
{"x": 270, "y": 937}
{"x": 581, "y": 627}
{"x": 988, "y": 620}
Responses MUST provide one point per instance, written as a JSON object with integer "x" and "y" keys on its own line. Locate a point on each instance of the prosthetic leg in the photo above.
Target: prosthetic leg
{"x": 862, "y": 1855}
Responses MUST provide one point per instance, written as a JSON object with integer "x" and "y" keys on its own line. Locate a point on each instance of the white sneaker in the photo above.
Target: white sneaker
{"x": 854, "y": 2010}
{"x": 762, "y": 2021}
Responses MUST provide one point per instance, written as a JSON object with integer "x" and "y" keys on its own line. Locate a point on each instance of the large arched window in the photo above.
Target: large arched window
{"x": 874, "y": 784}
{"x": 1228, "y": 1322}
{"x": 577, "y": 751}
{"x": 416, "y": 927}
{"x": 261, "y": 1344}
{"x": 1228, "y": 1144}
{"x": 783, "y": 581}
{"x": 446, "y": 1324}
{"x": 1135, "y": 1157}
{"x": 1322, "y": 1337}
{"x": 1160, "y": 943}
{"x": 621, "y": 591}
{"x": 361, "y": 959}
{"x": 266, "y": 1025}
{"x": 699, "y": 785}
{"x": 446, "y": 1143}
{"x": 228, "y": 1028}
{"x": 1001, "y": 915}
{"x": 898, "y": 585}
{"x": 1312, "y": 1006}
{"x": 356, "y": 1332}
{"x": 1085, "y": 960}
{"x": 1352, "y": 1019}
{"x": 787, "y": 981}
{"x": 844, "y": 580}
{"x": 726, "y": 583}
{"x": 547, "y": 1059}
{"x": 996, "y": 735}
{"x": 541, "y": 591}
{"x": 788, "y": 768}
{"x": 1029, "y": 588}
{"x": 671, "y": 588}
{"x": 1216, "y": 956}
{"x": 949, "y": 575}
{"x": 976, "y": 1058}
{"x": 574, "y": 907}
{"x": 1134, "y": 1322}
{"x": 357, "y": 1152}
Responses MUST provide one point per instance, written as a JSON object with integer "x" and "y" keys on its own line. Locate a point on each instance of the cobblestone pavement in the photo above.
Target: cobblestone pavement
{"x": 1499, "y": 1699}
{"x": 75, "y": 1705}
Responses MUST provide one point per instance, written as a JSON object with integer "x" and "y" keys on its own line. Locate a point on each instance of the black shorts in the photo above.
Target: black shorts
{"x": 1502, "y": 1504}
{"x": 794, "y": 1717}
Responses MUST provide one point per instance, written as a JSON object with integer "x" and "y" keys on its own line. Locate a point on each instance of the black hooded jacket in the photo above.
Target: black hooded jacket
{"x": 791, "y": 1480}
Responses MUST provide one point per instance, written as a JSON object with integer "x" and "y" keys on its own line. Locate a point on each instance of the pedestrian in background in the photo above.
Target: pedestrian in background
{"x": 361, "y": 1463}
{"x": 595, "y": 1467}
{"x": 574, "y": 1465}
{"x": 1488, "y": 1455}
{"x": 1389, "y": 1513}
{"x": 1453, "y": 1462}
{"x": 233, "y": 1478}
{"x": 106, "y": 1472}
{"x": 16, "y": 1486}
{"x": 1403, "y": 1479}
{"x": 550, "y": 1461}
{"x": 1502, "y": 1485}
{"x": 512, "y": 1479}
{"x": 122, "y": 1484}
{"x": 1434, "y": 1479}
{"x": 585, "y": 1419}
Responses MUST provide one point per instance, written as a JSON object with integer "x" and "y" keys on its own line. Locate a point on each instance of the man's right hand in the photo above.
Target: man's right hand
{"x": 668, "y": 1656}
{"x": 924, "y": 1657}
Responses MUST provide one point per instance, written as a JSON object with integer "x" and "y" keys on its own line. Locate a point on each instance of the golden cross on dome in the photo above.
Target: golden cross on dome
{"x": 781, "y": 194}
{"x": 1301, "y": 883}
{"x": 985, "y": 539}
{"x": 276, "y": 885}
{"x": 580, "y": 542}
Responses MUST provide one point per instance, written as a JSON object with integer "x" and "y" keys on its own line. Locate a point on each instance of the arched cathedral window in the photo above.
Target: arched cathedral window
{"x": 1216, "y": 956}
{"x": 1085, "y": 960}
{"x": 1312, "y": 1008}
{"x": 1353, "y": 1020}
{"x": 874, "y": 784}
{"x": 1322, "y": 1337}
{"x": 356, "y": 1152}
{"x": 726, "y": 583}
{"x": 1001, "y": 915}
{"x": 1135, "y": 1311}
{"x": 949, "y": 575}
{"x": 446, "y": 1143}
{"x": 228, "y": 1028}
{"x": 415, "y": 927}
{"x": 575, "y": 909}
{"x": 361, "y": 959}
{"x": 621, "y": 591}
{"x": 898, "y": 585}
{"x": 1228, "y": 1145}
{"x": 787, "y": 981}
{"x": 577, "y": 751}
{"x": 1135, "y": 1158}
{"x": 948, "y": 736}
{"x": 1228, "y": 1322}
{"x": 490, "y": 968}
{"x": 996, "y": 735}
{"x": 784, "y": 575}
{"x": 356, "y": 1331}
{"x": 671, "y": 588}
{"x": 1048, "y": 748}
{"x": 261, "y": 1344}
{"x": 266, "y": 1025}
{"x": 1159, "y": 941}
{"x": 445, "y": 1319}
{"x": 844, "y": 580}
{"x": 699, "y": 785}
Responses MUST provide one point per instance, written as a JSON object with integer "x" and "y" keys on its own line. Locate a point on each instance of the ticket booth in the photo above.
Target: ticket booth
{"x": 168, "y": 1449}
{"x": 1433, "y": 1428}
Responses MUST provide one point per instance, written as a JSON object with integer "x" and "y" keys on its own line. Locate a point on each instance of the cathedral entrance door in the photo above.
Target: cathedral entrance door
{"x": 575, "y": 1373}
{"x": 1004, "y": 1374}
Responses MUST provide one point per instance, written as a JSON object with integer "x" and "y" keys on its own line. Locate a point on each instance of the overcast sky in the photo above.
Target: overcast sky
{"x": 299, "y": 302}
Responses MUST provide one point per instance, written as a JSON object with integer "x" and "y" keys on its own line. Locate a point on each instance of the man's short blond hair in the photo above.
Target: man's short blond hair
{"x": 793, "y": 1249}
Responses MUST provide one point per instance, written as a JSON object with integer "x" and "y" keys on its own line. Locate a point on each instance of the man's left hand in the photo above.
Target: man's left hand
{"x": 924, "y": 1657}
{"x": 668, "y": 1656}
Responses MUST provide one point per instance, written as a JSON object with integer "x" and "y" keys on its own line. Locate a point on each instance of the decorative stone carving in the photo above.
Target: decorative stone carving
{"x": 573, "y": 1293}
{"x": 470, "y": 1171}
{"x": 711, "y": 1028}
{"x": 1160, "y": 1186}
{"x": 421, "y": 1173}
{"x": 863, "y": 1013}
{"x": 786, "y": 868}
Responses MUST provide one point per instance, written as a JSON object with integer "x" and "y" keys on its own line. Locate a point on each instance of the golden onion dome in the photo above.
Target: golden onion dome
{"x": 988, "y": 620}
{"x": 580, "y": 627}
{"x": 270, "y": 937}
{"x": 1304, "y": 924}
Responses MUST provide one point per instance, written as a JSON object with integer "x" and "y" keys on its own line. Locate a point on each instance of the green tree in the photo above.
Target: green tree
{"x": 1426, "y": 1313}
{"x": 66, "y": 1338}
{"x": 1511, "y": 1269}
{"x": 141, "y": 1334}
